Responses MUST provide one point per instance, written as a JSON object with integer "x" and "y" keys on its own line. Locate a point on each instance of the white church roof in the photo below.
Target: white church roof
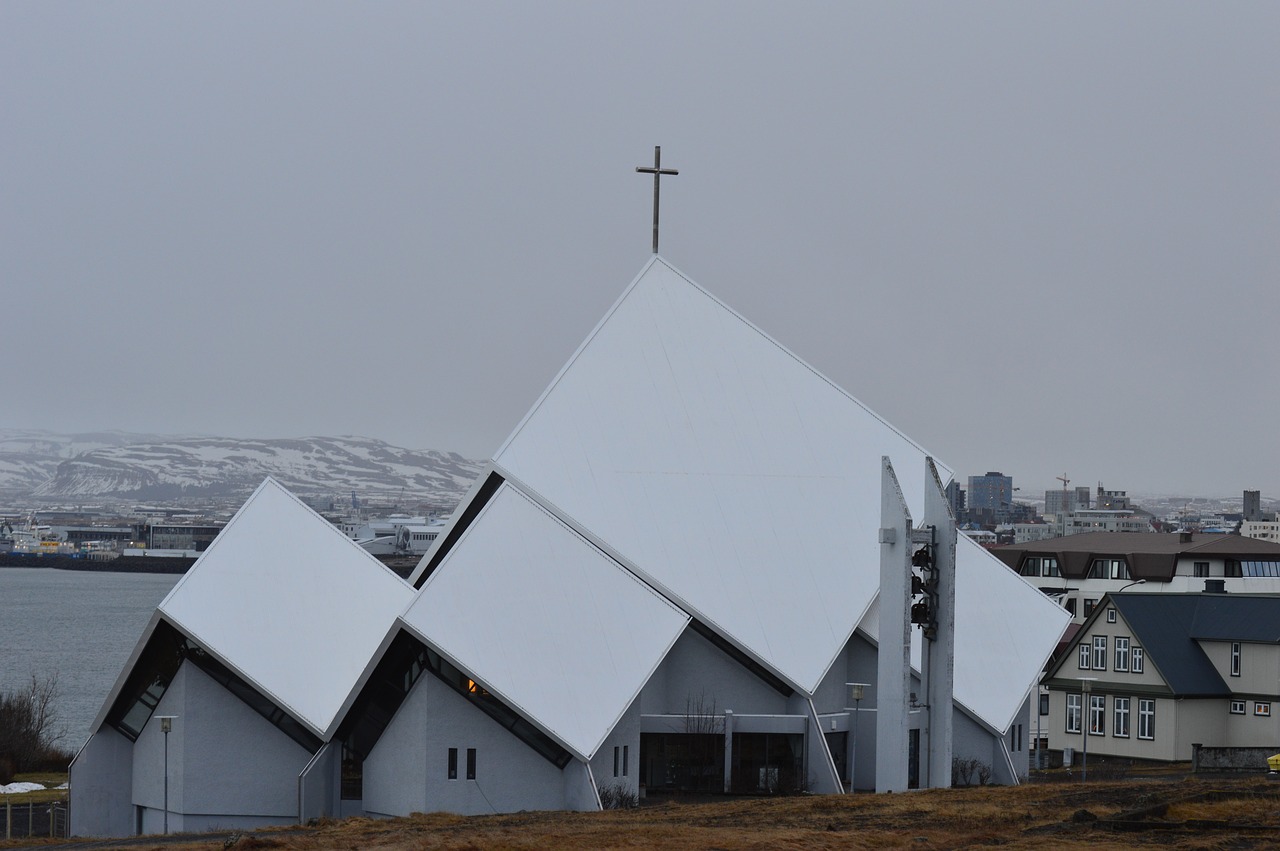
{"x": 722, "y": 467}
{"x": 290, "y": 603}
{"x": 545, "y": 620}
{"x": 731, "y": 475}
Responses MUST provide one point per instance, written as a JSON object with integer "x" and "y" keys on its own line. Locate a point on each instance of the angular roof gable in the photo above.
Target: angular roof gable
{"x": 289, "y": 603}
{"x": 1163, "y": 624}
{"x": 545, "y": 620}
{"x": 733, "y": 477}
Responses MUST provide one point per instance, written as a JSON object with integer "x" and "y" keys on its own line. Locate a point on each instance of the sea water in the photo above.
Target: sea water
{"x": 79, "y": 627}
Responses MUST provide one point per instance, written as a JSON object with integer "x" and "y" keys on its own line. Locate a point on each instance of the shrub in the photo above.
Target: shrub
{"x": 29, "y": 731}
{"x": 618, "y": 797}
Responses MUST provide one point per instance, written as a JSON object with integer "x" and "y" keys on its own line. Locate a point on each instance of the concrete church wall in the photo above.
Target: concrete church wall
{"x": 102, "y": 774}
{"x": 855, "y": 664}
{"x": 697, "y": 675}
{"x": 228, "y": 766}
{"x": 625, "y": 734}
{"x": 407, "y": 770}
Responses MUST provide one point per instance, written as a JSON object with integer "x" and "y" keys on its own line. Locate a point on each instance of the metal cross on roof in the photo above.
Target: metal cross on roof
{"x": 657, "y": 171}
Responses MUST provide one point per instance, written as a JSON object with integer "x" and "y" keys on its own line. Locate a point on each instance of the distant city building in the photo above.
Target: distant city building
{"x": 993, "y": 492}
{"x": 955, "y": 496}
{"x": 1112, "y": 500}
{"x": 1059, "y": 501}
{"x": 1263, "y": 530}
{"x": 1253, "y": 505}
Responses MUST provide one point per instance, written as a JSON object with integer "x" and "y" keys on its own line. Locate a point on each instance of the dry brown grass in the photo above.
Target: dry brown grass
{"x": 1034, "y": 816}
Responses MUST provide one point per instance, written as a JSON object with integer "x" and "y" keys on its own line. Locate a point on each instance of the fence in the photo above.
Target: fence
{"x": 26, "y": 820}
{"x": 1206, "y": 758}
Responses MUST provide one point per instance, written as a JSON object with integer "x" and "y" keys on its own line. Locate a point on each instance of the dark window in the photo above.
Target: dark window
{"x": 624, "y": 760}
{"x": 1088, "y": 607}
{"x": 471, "y": 763}
{"x": 615, "y": 761}
{"x": 1201, "y": 568}
{"x": 388, "y": 685}
{"x": 1044, "y": 704}
{"x": 1235, "y": 658}
{"x": 453, "y": 763}
{"x": 164, "y": 653}
{"x": 1071, "y": 606}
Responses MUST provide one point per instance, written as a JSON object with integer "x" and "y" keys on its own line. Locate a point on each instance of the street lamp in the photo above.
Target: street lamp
{"x": 1131, "y": 584}
{"x": 1086, "y": 688}
{"x": 166, "y": 727}
{"x": 856, "y": 691}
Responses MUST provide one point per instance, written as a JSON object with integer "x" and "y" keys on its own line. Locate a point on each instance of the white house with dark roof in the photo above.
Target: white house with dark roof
{"x": 1166, "y": 671}
{"x": 666, "y": 578}
{"x": 1080, "y": 569}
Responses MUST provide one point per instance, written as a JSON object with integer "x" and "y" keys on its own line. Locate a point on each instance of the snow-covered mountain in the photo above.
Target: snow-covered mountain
{"x": 158, "y": 467}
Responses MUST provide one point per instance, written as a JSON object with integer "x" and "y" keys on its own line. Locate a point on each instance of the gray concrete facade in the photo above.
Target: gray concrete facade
{"x": 407, "y": 770}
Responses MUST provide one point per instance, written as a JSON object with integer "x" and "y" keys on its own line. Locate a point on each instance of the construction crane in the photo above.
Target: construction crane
{"x": 1065, "y": 481}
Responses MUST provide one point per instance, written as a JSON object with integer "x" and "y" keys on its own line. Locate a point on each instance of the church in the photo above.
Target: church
{"x": 668, "y": 578}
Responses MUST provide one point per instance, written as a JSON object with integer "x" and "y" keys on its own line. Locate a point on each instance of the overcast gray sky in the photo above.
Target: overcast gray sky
{"x": 1039, "y": 238}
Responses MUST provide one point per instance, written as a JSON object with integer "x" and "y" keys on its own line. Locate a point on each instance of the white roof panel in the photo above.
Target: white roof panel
{"x": 290, "y": 603}
{"x": 1005, "y": 631}
{"x": 545, "y": 620}
{"x": 725, "y": 469}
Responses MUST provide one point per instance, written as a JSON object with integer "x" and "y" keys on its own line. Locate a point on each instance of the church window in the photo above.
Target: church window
{"x": 471, "y": 763}
{"x": 453, "y": 763}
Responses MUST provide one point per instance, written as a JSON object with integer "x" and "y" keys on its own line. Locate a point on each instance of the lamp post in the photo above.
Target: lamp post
{"x": 1131, "y": 584}
{"x": 856, "y": 691}
{"x": 1086, "y": 688}
{"x": 166, "y": 727}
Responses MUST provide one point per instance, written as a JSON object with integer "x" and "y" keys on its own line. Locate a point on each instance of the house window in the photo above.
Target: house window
{"x": 1146, "y": 719}
{"x": 1083, "y": 661}
{"x": 1030, "y": 567}
{"x": 1201, "y": 568}
{"x": 1049, "y": 567}
{"x": 1235, "y": 658}
{"x": 453, "y": 763}
{"x": 1097, "y": 569}
{"x": 471, "y": 763}
{"x": 1088, "y": 606}
{"x": 1111, "y": 615}
{"x": 1136, "y": 667}
{"x": 1073, "y": 713}
{"x": 1120, "y": 570}
{"x": 1120, "y": 727}
{"x": 1263, "y": 709}
{"x": 1122, "y": 653}
{"x": 1044, "y": 704}
{"x": 1099, "y": 653}
{"x": 1097, "y": 714}
{"x": 1237, "y": 707}
{"x": 1071, "y": 606}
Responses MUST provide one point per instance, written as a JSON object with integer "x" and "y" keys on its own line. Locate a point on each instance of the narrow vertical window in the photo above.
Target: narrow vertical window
{"x": 1073, "y": 713}
{"x": 1111, "y": 615}
{"x": 1097, "y": 714}
{"x": 615, "y": 761}
{"x": 453, "y": 763}
{"x": 1137, "y": 660}
{"x": 624, "y": 760}
{"x": 1122, "y": 653}
{"x": 1083, "y": 660}
{"x": 1099, "y": 652}
{"x": 1120, "y": 727}
{"x": 471, "y": 763}
{"x": 1235, "y": 658}
{"x": 1146, "y": 719}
